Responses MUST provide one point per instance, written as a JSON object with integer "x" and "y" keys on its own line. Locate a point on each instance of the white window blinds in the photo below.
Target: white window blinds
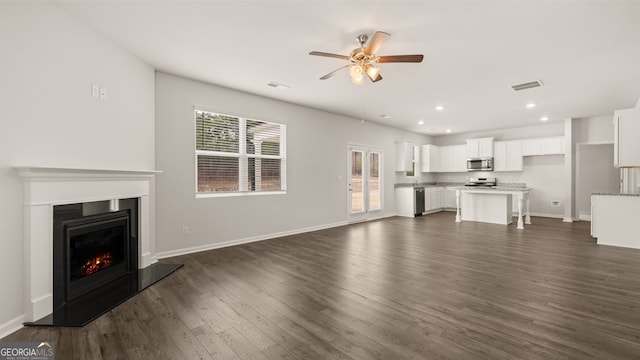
{"x": 236, "y": 154}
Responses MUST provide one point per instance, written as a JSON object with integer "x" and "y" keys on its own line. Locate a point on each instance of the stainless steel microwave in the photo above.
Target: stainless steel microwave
{"x": 484, "y": 164}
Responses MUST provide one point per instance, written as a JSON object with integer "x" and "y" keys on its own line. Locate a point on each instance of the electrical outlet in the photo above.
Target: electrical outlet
{"x": 95, "y": 91}
{"x": 185, "y": 231}
{"x": 103, "y": 93}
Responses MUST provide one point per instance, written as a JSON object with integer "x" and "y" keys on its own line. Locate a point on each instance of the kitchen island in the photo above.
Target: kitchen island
{"x": 492, "y": 205}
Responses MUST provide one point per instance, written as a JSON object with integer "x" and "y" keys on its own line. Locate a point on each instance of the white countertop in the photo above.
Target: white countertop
{"x": 496, "y": 189}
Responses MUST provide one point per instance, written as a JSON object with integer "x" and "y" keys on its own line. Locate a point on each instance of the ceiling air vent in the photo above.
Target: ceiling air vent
{"x": 527, "y": 85}
{"x": 278, "y": 86}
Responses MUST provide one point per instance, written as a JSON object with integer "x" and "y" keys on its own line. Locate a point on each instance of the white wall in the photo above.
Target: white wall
{"x": 48, "y": 117}
{"x": 316, "y": 157}
{"x": 593, "y": 130}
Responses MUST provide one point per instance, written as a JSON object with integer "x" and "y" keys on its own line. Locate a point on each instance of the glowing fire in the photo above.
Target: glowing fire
{"x": 96, "y": 264}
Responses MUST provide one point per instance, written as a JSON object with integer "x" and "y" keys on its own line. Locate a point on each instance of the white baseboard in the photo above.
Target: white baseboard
{"x": 555, "y": 216}
{"x": 146, "y": 259}
{"x": 11, "y": 326}
{"x": 584, "y": 216}
{"x": 195, "y": 249}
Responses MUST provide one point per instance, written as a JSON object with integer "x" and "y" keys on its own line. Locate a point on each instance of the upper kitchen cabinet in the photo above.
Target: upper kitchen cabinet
{"x": 430, "y": 158}
{"x": 405, "y": 157}
{"x": 543, "y": 146}
{"x": 626, "y": 147}
{"x": 480, "y": 148}
{"x": 453, "y": 158}
{"x": 460, "y": 158}
{"x": 507, "y": 156}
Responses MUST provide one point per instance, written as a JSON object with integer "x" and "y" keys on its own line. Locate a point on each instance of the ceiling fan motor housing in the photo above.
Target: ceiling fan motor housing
{"x": 362, "y": 39}
{"x": 358, "y": 55}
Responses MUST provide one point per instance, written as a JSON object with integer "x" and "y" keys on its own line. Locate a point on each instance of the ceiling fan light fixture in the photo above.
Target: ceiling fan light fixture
{"x": 357, "y": 74}
{"x": 372, "y": 71}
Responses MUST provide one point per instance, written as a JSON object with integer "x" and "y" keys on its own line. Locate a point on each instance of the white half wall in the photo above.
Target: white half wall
{"x": 316, "y": 169}
{"x": 49, "y": 118}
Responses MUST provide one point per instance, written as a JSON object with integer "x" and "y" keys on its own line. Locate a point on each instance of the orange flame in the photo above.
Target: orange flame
{"x": 96, "y": 264}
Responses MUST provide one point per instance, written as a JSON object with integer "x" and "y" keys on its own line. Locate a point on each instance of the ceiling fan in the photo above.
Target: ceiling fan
{"x": 361, "y": 59}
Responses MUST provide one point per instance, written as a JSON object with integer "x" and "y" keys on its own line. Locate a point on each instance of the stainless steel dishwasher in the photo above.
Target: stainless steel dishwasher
{"x": 418, "y": 200}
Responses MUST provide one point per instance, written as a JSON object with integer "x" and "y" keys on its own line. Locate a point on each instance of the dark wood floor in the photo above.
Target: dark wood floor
{"x": 399, "y": 288}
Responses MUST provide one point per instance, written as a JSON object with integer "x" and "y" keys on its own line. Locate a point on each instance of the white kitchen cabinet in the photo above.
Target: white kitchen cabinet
{"x": 626, "y": 147}
{"x": 405, "y": 156}
{"x": 448, "y": 199}
{"x": 507, "y": 156}
{"x": 432, "y": 198}
{"x": 404, "y": 201}
{"x": 453, "y": 158}
{"x": 445, "y": 157}
{"x": 531, "y": 147}
{"x": 543, "y": 146}
{"x": 460, "y": 158}
{"x": 553, "y": 145}
{"x": 430, "y": 158}
{"x": 480, "y": 148}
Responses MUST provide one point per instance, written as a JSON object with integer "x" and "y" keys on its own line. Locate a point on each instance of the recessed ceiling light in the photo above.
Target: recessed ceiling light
{"x": 448, "y": 131}
{"x": 439, "y": 108}
{"x": 531, "y": 105}
{"x": 420, "y": 122}
{"x": 544, "y": 118}
{"x": 384, "y": 116}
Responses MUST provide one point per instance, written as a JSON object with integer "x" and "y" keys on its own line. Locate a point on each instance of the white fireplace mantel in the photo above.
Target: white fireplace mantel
{"x": 45, "y": 187}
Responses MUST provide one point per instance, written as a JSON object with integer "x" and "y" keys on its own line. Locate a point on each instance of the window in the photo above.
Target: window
{"x": 239, "y": 155}
{"x": 415, "y": 150}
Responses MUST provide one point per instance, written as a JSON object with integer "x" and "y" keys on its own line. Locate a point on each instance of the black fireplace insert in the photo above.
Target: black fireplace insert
{"x": 97, "y": 250}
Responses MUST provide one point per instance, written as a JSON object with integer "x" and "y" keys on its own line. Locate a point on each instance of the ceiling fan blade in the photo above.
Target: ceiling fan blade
{"x": 375, "y": 43}
{"x": 400, "y": 58}
{"x": 333, "y": 73}
{"x": 320, "y": 53}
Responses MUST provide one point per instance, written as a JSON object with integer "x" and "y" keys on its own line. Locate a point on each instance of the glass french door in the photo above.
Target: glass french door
{"x": 365, "y": 183}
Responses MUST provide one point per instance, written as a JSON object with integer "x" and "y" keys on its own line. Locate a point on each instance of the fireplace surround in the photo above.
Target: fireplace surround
{"x": 46, "y": 187}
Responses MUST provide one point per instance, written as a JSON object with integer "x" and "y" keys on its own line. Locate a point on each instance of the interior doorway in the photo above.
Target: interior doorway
{"x": 594, "y": 173}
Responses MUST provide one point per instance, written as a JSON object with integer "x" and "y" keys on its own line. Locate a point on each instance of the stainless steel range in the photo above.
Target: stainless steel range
{"x": 482, "y": 182}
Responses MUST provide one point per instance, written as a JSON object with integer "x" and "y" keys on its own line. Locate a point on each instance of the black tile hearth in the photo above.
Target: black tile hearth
{"x": 89, "y": 307}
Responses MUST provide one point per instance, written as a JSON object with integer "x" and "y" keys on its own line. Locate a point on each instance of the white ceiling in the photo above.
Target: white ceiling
{"x": 587, "y": 54}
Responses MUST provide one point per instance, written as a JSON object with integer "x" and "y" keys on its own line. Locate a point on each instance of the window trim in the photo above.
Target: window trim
{"x": 241, "y": 155}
